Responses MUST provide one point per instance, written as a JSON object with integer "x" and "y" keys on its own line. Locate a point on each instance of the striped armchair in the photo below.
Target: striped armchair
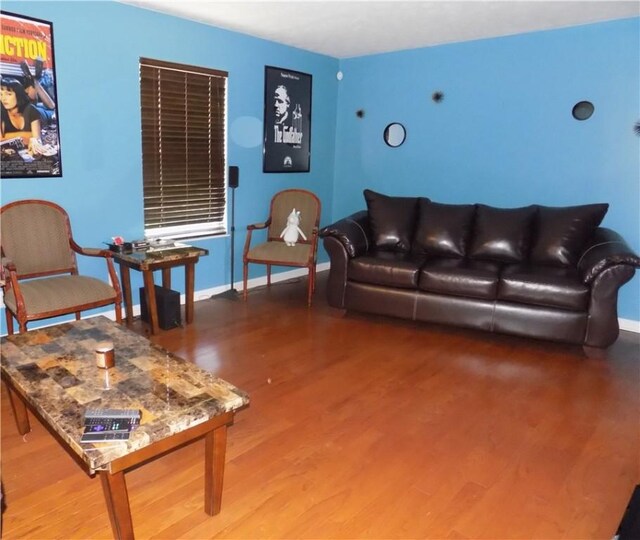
{"x": 39, "y": 266}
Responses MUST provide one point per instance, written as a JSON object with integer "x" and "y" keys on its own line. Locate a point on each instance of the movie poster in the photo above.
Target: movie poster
{"x": 287, "y": 120}
{"x": 29, "y": 128}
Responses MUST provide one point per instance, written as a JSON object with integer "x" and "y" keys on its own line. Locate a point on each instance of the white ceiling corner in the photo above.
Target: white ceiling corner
{"x": 345, "y": 29}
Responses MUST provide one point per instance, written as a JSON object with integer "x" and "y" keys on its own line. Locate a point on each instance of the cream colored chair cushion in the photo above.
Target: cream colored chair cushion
{"x": 59, "y": 292}
{"x": 275, "y": 252}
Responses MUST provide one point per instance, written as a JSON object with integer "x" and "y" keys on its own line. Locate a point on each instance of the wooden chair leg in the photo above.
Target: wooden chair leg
{"x": 268, "y": 275}
{"x": 9, "y": 317}
{"x": 310, "y": 287}
{"x": 118, "y": 309}
{"x": 78, "y": 317}
{"x": 22, "y": 325}
{"x": 245, "y": 275}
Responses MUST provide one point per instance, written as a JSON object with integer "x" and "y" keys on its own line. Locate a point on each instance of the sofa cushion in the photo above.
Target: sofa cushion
{"x": 543, "y": 286}
{"x": 443, "y": 229}
{"x": 460, "y": 277}
{"x": 392, "y": 220}
{"x": 562, "y": 232}
{"x": 502, "y": 234}
{"x": 386, "y": 268}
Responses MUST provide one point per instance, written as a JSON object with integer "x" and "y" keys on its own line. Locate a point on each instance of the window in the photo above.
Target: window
{"x": 183, "y": 149}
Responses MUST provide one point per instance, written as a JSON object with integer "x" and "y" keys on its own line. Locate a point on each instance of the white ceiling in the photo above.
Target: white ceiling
{"x": 344, "y": 29}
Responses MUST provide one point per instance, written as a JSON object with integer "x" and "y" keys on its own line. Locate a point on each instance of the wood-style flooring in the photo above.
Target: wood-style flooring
{"x": 363, "y": 427}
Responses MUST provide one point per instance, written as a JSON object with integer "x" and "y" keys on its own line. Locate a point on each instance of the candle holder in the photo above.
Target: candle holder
{"x": 105, "y": 359}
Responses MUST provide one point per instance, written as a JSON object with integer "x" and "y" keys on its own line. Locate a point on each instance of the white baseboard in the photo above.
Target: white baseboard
{"x": 629, "y": 325}
{"x": 205, "y": 294}
{"x": 625, "y": 324}
{"x": 256, "y": 282}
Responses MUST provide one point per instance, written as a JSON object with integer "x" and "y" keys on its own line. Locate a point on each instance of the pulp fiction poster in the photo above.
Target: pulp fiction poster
{"x": 287, "y": 120}
{"x": 29, "y": 129}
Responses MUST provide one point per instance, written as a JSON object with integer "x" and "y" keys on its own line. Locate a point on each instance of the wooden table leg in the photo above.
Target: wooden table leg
{"x": 189, "y": 273}
{"x": 114, "y": 488}
{"x": 166, "y": 278}
{"x": 150, "y": 293}
{"x": 215, "y": 449}
{"x": 125, "y": 278}
{"x": 19, "y": 411}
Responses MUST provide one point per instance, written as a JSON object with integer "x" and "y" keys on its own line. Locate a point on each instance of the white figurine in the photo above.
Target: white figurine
{"x": 292, "y": 230}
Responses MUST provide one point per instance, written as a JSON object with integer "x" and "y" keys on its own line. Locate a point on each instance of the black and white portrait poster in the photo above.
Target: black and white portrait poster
{"x": 287, "y": 120}
{"x": 29, "y": 128}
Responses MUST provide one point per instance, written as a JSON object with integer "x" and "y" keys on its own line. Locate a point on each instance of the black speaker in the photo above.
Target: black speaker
{"x": 168, "y": 304}
{"x": 234, "y": 176}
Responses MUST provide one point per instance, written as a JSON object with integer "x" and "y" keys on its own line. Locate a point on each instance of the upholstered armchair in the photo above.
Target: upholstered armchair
{"x": 39, "y": 266}
{"x": 275, "y": 251}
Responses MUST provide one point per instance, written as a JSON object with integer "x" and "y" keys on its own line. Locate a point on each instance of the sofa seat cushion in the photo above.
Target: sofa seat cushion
{"x": 543, "y": 286}
{"x": 387, "y": 269}
{"x": 460, "y": 277}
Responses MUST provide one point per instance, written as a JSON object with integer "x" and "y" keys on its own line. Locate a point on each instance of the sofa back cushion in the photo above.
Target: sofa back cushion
{"x": 443, "y": 229}
{"x": 502, "y": 234}
{"x": 562, "y": 232}
{"x": 392, "y": 220}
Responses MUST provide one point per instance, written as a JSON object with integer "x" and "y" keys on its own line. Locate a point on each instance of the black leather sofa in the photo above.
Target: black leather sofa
{"x": 536, "y": 271}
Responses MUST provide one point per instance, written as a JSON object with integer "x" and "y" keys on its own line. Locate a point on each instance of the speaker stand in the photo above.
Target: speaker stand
{"x": 231, "y": 293}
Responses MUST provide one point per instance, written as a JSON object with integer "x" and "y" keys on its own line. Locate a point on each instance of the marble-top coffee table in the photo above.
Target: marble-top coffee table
{"x": 53, "y": 372}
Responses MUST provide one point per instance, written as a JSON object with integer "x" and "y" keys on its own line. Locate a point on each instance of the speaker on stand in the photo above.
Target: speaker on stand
{"x": 234, "y": 182}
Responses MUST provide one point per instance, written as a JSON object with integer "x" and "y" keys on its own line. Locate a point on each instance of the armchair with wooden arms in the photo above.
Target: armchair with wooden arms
{"x": 39, "y": 266}
{"x": 275, "y": 252}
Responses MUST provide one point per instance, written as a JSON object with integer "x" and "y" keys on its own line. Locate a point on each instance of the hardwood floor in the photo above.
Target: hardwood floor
{"x": 365, "y": 427}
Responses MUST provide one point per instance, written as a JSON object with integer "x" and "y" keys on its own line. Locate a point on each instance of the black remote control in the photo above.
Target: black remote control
{"x": 109, "y": 424}
{"x": 112, "y": 413}
{"x": 105, "y": 436}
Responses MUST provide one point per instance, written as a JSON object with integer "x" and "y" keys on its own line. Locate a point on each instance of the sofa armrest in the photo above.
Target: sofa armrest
{"x": 345, "y": 239}
{"x": 606, "y": 249}
{"x": 353, "y": 232}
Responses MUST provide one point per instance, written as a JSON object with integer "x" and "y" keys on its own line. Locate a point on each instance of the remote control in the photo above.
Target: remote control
{"x": 112, "y": 413}
{"x": 109, "y": 424}
{"x": 105, "y": 436}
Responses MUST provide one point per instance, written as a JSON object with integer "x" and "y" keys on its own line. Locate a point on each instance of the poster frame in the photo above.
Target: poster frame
{"x": 10, "y": 69}
{"x": 298, "y": 157}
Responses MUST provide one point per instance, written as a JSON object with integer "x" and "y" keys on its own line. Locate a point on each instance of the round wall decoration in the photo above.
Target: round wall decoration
{"x": 582, "y": 110}
{"x": 394, "y": 134}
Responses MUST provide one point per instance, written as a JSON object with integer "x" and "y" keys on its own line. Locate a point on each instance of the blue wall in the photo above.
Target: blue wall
{"x": 504, "y": 134}
{"x": 97, "y": 49}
